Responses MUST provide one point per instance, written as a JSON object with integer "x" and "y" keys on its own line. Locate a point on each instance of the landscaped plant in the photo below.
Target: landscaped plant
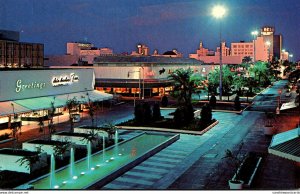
{"x": 71, "y": 105}
{"x": 147, "y": 112}
{"x": 139, "y": 113}
{"x": 213, "y": 101}
{"x": 156, "y": 112}
{"x": 164, "y": 101}
{"x": 237, "y": 103}
{"x": 110, "y": 129}
{"x": 183, "y": 115}
{"x": 61, "y": 148}
{"x": 29, "y": 160}
{"x": 206, "y": 115}
{"x": 235, "y": 160}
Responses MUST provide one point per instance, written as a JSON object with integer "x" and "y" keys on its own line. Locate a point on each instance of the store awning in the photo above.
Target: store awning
{"x": 44, "y": 103}
{"x": 41, "y": 103}
{"x": 9, "y": 108}
{"x": 83, "y": 97}
{"x": 286, "y": 145}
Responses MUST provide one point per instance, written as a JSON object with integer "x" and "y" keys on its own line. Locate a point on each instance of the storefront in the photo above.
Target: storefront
{"x": 29, "y": 94}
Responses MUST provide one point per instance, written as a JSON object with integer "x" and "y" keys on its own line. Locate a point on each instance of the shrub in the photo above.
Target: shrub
{"x": 147, "y": 112}
{"x": 206, "y": 115}
{"x": 184, "y": 115}
{"x": 156, "y": 112}
{"x": 212, "y": 101}
{"x": 237, "y": 103}
{"x": 179, "y": 116}
{"x": 164, "y": 101}
{"x": 138, "y": 113}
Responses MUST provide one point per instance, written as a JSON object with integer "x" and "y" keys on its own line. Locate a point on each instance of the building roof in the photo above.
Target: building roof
{"x": 144, "y": 59}
{"x": 169, "y": 53}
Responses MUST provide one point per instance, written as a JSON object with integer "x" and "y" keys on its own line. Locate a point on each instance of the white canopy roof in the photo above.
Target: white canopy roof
{"x": 286, "y": 145}
{"x": 44, "y": 103}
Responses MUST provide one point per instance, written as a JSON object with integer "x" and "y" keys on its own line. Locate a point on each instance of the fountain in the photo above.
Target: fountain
{"x": 89, "y": 153}
{"x": 52, "y": 171}
{"x": 116, "y": 142}
{"x": 103, "y": 147}
{"x": 116, "y": 137}
{"x": 147, "y": 143}
{"x": 72, "y": 162}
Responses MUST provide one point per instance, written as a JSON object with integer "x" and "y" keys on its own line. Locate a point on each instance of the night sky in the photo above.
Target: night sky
{"x": 160, "y": 24}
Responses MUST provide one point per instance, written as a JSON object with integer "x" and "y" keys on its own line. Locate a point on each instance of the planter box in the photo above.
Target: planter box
{"x": 76, "y": 138}
{"x": 87, "y": 130}
{"x": 44, "y": 146}
{"x": 268, "y": 130}
{"x": 247, "y": 171}
{"x": 10, "y": 157}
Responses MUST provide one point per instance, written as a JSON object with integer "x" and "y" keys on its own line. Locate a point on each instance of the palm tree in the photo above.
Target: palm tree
{"x": 259, "y": 69}
{"x": 61, "y": 148}
{"x": 185, "y": 83}
{"x": 110, "y": 129}
{"x": 71, "y": 105}
{"x": 239, "y": 82}
{"x": 213, "y": 80}
{"x": 91, "y": 109}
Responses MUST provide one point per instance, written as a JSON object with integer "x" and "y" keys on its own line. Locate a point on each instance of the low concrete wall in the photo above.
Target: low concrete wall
{"x": 48, "y": 149}
{"x": 10, "y": 162}
{"x": 100, "y": 133}
{"x": 79, "y": 142}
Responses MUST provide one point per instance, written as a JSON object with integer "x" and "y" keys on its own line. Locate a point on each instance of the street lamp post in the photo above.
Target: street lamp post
{"x": 143, "y": 96}
{"x": 254, "y": 33}
{"x": 218, "y": 12}
{"x": 139, "y": 71}
{"x": 268, "y": 43}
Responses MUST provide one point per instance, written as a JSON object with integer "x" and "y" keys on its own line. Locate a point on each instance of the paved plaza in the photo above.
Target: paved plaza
{"x": 194, "y": 161}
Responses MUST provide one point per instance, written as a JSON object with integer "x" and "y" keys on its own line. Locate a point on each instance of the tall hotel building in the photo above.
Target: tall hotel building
{"x": 15, "y": 54}
{"x": 239, "y": 50}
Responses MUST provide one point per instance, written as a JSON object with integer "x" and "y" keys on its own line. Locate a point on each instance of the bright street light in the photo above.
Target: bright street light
{"x": 254, "y": 34}
{"x": 268, "y": 43}
{"x": 218, "y": 12}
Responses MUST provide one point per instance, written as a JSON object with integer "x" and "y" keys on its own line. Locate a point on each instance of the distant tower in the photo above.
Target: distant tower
{"x": 200, "y": 45}
{"x": 142, "y": 49}
{"x": 155, "y": 52}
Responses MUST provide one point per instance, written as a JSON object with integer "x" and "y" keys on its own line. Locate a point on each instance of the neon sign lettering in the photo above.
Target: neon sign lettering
{"x": 20, "y": 86}
{"x": 64, "y": 80}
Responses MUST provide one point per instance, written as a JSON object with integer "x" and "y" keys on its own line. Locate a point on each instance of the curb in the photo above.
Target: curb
{"x": 7, "y": 140}
{"x": 172, "y": 130}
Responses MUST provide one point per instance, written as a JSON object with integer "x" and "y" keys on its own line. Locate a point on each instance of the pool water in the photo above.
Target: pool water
{"x": 103, "y": 164}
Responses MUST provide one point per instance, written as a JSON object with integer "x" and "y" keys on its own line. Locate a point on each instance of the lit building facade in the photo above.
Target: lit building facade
{"x": 268, "y": 34}
{"x": 78, "y": 53}
{"x": 239, "y": 50}
{"x": 27, "y": 95}
{"x": 15, "y": 54}
{"x": 139, "y": 75}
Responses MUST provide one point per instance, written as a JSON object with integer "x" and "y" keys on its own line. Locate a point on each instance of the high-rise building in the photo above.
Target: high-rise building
{"x": 268, "y": 34}
{"x": 15, "y": 54}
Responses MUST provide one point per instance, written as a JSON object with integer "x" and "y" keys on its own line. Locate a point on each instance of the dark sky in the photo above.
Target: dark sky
{"x": 160, "y": 24}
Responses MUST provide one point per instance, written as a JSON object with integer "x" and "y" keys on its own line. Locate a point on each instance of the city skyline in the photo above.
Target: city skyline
{"x": 162, "y": 25}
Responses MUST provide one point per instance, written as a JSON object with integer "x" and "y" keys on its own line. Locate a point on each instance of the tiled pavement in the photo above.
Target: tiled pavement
{"x": 195, "y": 162}
{"x": 153, "y": 173}
{"x": 162, "y": 169}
